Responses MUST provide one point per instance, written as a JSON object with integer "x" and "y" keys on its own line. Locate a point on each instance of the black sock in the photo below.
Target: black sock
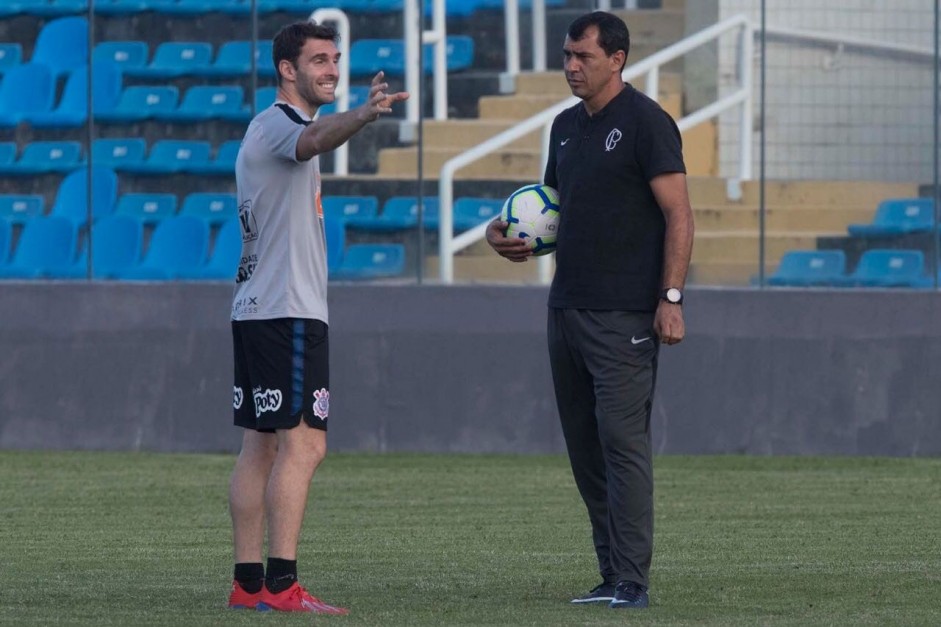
{"x": 250, "y": 576}
{"x": 281, "y": 574}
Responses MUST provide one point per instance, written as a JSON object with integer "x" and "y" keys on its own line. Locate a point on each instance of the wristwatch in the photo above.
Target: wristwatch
{"x": 672, "y": 295}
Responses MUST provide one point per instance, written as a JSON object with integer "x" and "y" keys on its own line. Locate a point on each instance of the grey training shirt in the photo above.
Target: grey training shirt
{"x": 283, "y": 269}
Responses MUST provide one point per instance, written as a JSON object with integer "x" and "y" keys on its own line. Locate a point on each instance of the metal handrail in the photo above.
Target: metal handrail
{"x": 448, "y": 244}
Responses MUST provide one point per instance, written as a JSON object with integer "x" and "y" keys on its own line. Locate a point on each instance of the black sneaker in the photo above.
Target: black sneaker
{"x": 630, "y": 594}
{"x": 604, "y": 591}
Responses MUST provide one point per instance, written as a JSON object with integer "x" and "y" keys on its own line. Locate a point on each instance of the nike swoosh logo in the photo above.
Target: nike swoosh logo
{"x": 564, "y": 141}
{"x": 635, "y": 340}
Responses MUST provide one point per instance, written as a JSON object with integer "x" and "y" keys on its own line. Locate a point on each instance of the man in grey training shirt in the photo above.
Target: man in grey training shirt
{"x": 279, "y": 314}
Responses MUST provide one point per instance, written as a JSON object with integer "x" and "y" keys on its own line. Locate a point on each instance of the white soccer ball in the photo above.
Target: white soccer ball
{"x": 533, "y": 214}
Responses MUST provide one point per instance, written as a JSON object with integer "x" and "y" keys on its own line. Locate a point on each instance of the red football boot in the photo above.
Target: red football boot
{"x": 241, "y": 600}
{"x": 295, "y": 599}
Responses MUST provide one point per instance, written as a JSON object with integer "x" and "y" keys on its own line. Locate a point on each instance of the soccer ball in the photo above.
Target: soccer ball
{"x": 533, "y": 214}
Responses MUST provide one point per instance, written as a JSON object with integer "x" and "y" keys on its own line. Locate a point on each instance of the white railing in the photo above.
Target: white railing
{"x": 449, "y": 245}
{"x": 341, "y": 156}
{"x": 438, "y": 36}
{"x": 511, "y": 30}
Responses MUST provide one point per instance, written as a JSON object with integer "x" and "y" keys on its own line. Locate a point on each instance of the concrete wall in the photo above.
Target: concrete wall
{"x": 143, "y": 367}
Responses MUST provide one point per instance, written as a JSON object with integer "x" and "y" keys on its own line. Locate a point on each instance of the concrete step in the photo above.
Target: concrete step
{"x": 740, "y": 247}
{"x": 464, "y": 134}
{"x": 506, "y": 164}
{"x": 486, "y": 268}
{"x": 721, "y": 273}
{"x": 523, "y": 106}
{"x": 554, "y": 83}
{"x": 860, "y": 194}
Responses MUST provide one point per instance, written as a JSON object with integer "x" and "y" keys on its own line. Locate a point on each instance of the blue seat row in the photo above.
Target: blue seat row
{"x": 898, "y": 216}
{"x": 401, "y": 212}
{"x": 179, "y": 249}
{"x": 128, "y": 154}
{"x": 368, "y": 56}
{"x": 876, "y": 268}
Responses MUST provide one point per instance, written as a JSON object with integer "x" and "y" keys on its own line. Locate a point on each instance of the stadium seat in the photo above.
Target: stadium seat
{"x": 224, "y": 163}
{"x": 62, "y": 44}
{"x": 358, "y": 96}
{"x": 224, "y": 259}
{"x": 116, "y": 246}
{"x": 11, "y": 55}
{"x": 141, "y": 102}
{"x": 889, "y": 268}
{"x": 371, "y": 261}
{"x": 7, "y": 153}
{"x": 25, "y": 89}
{"x": 6, "y": 236}
{"x": 459, "y": 54}
{"x": 198, "y": 7}
{"x": 335, "y": 235}
{"x": 470, "y": 212}
{"x": 42, "y": 8}
{"x": 170, "y": 156}
{"x": 117, "y": 152}
{"x": 127, "y": 55}
{"x": 214, "y": 208}
{"x": 120, "y": 7}
{"x": 178, "y": 244}
{"x": 235, "y": 59}
{"x": 368, "y": 56}
{"x": 265, "y": 97}
{"x": 146, "y": 208}
{"x": 898, "y": 216}
{"x": 401, "y": 212}
{"x": 351, "y": 209}
{"x": 176, "y": 58}
{"x": 46, "y": 156}
{"x": 72, "y": 196}
{"x": 207, "y": 102}
{"x": 46, "y": 246}
{"x": 73, "y": 107}
{"x": 20, "y": 208}
{"x": 810, "y": 268}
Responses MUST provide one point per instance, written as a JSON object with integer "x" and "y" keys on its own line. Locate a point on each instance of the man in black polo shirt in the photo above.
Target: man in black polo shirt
{"x": 624, "y": 244}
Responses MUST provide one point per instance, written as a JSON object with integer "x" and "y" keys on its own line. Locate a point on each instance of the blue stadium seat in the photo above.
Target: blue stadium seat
{"x": 459, "y": 54}
{"x": 890, "y": 268}
{"x": 20, "y": 208}
{"x": 7, "y": 154}
{"x": 371, "y": 261}
{"x": 62, "y": 44}
{"x": 72, "y": 196}
{"x": 6, "y": 236}
{"x": 265, "y": 97}
{"x": 335, "y": 235}
{"x": 146, "y": 208}
{"x": 470, "y": 212}
{"x": 73, "y": 107}
{"x": 46, "y": 246}
{"x": 224, "y": 259}
{"x": 351, "y": 209}
{"x": 810, "y": 268}
{"x": 127, "y": 55}
{"x": 178, "y": 244}
{"x": 42, "y": 8}
{"x": 214, "y": 208}
{"x": 207, "y": 102}
{"x": 42, "y": 157}
{"x": 368, "y": 56}
{"x": 170, "y": 156}
{"x": 120, "y": 7}
{"x": 224, "y": 163}
{"x": 235, "y": 59}
{"x": 116, "y": 246}
{"x": 176, "y": 58}
{"x": 898, "y": 216}
{"x": 25, "y": 89}
{"x": 115, "y": 153}
{"x": 198, "y": 7}
{"x": 11, "y": 55}
{"x": 401, "y": 212}
{"x": 358, "y": 96}
{"x": 141, "y": 102}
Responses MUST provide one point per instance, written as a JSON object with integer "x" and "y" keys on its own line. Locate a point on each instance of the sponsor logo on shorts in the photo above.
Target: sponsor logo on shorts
{"x": 237, "y": 401}
{"x": 269, "y": 400}
{"x": 322, "y": 403}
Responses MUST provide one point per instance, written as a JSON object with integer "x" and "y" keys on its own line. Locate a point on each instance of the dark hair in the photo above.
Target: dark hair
{"x": 612, "y": 32}
{"x": 288, "y": 42}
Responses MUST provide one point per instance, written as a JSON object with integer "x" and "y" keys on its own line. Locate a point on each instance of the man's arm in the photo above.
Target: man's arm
{"x": 673, "y": 197}
{"x": 327, "y": 133}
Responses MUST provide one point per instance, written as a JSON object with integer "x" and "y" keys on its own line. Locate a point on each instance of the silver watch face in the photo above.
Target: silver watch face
{"x": 674, "y": 295}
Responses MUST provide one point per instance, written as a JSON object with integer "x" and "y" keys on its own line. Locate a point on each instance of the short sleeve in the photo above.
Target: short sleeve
{"x": 659, "y": 145}
{"x": 549, "y": 177}
{"x": 281, "y": 134}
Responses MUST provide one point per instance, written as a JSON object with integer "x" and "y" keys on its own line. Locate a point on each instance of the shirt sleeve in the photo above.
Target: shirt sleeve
{"x": 659, "y": 145}
{"x": 281, "y": 136}
{"x": 549, "y": 177}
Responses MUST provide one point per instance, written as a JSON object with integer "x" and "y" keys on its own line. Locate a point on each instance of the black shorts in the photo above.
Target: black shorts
{"x": 282, "y": 373}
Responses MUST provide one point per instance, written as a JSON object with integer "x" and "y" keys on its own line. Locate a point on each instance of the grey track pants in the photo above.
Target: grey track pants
{"x": 604, "y": 369}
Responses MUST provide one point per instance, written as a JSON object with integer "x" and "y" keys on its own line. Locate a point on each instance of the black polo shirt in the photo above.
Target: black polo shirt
{"x": 609, "y": 253}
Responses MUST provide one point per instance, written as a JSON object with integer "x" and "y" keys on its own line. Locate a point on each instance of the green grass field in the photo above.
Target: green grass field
{"x": 143, "y": 539}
